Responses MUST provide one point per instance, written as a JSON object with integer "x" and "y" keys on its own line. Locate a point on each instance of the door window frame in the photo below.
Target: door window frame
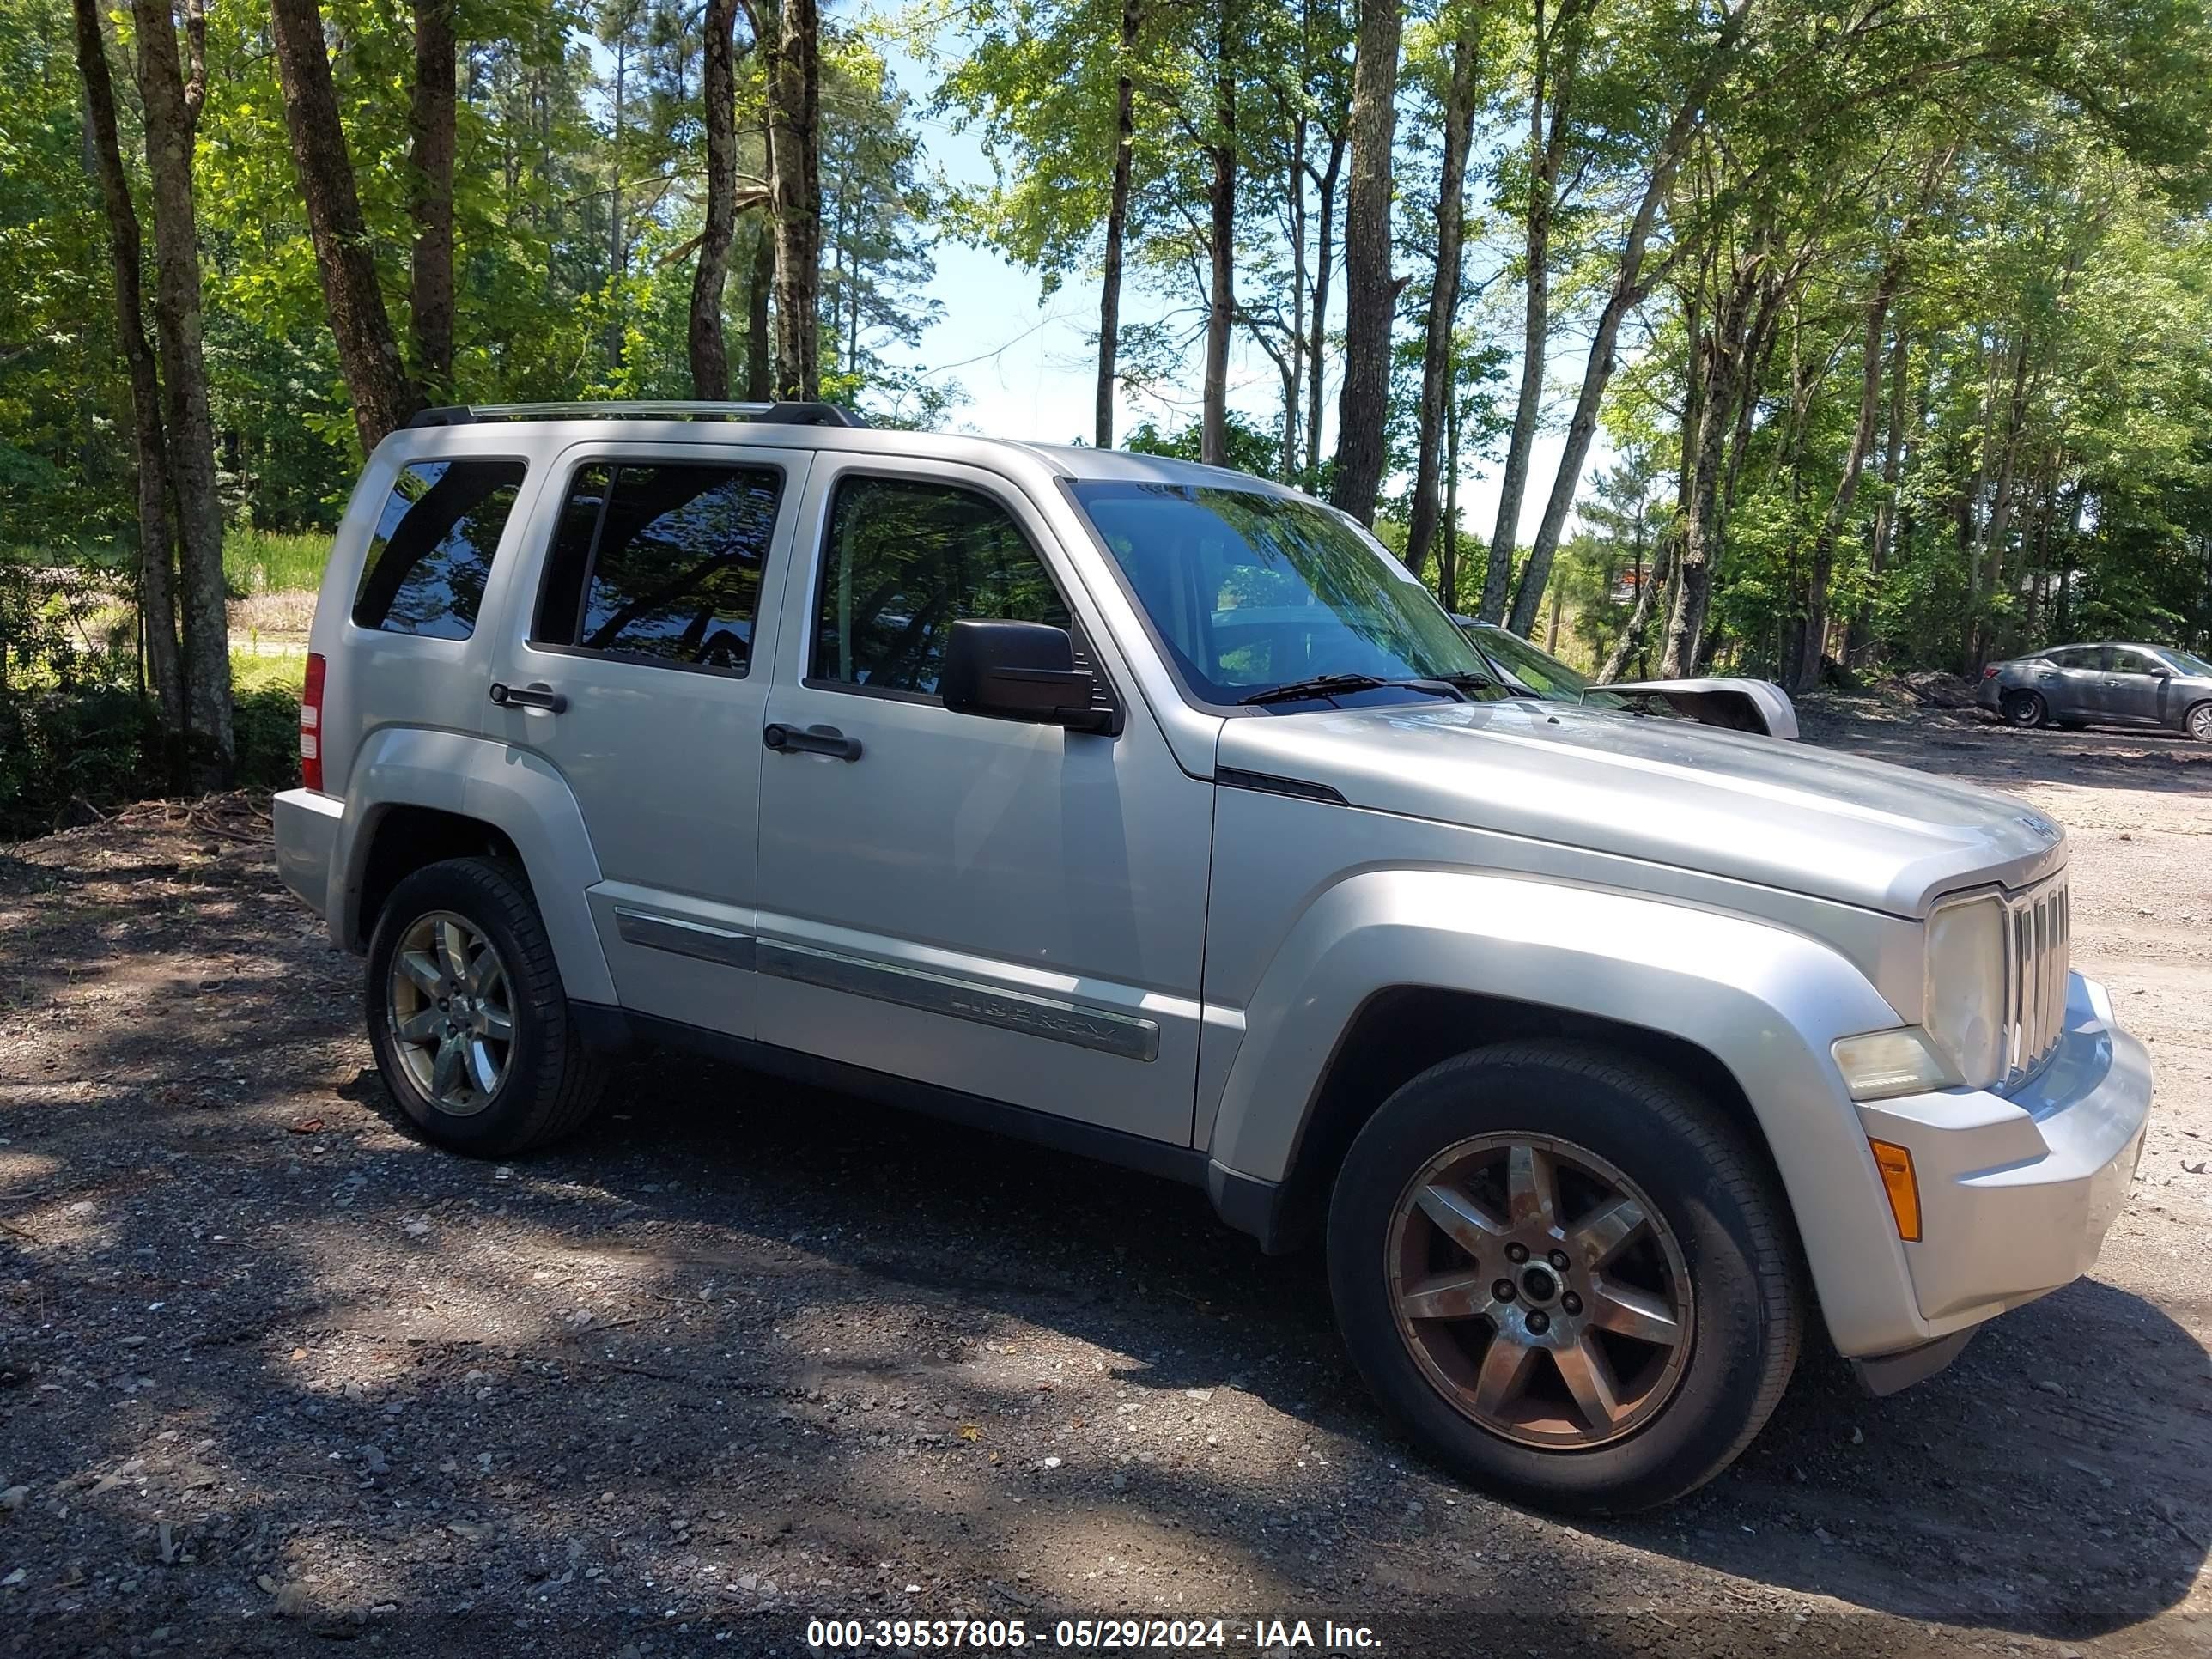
{"x": 573, "y": 462}
{"x": 807, "y": 606}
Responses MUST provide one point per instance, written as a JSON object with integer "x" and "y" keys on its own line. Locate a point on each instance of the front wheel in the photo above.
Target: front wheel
{"x": 2024, "y": 708}
{"x": 2198, "y": 722}
{"x": 466, "y": 1015}
{"x": 1567, "y": 1275}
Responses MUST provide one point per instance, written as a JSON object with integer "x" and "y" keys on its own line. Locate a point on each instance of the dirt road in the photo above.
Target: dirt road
{"x": 742, "y": 1356}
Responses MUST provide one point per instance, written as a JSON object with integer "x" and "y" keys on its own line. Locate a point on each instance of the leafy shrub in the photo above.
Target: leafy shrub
{"x": 75, "y": 733}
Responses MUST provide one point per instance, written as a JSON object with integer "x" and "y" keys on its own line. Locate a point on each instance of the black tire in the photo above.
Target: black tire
{"x": 2197, "y": 722}
{"x": 1711, "y": 1190}
{"x": 550, "y": 1085}
{"x": 2024, "y": 710}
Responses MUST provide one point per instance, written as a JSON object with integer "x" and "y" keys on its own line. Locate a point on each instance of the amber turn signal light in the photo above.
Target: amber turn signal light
{"x": 1902, "y": 1186}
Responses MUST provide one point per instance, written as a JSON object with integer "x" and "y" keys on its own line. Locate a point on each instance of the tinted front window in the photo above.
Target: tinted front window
{"x": 660, "y": 564}
{"x": 431, "y": 553}
{"x": 1250, "y": 590}
{"x": 1541, "y": 672}
{"x": 904, "y": 561}
{"x": 2125, "y": 661}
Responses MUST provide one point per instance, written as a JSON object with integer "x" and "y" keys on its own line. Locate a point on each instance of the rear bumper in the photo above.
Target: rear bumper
{"x": 306, "y": 829}
{"x": 2017, "y": 1193}
{"x": 1989, "y": 694}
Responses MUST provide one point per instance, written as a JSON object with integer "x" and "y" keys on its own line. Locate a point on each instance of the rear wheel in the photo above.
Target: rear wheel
{"x": 1567, "y": 1275}
{"x": 2198, "y": 722}
{"x": 2024, "y": 708}
{"x": 466, "y": 1015}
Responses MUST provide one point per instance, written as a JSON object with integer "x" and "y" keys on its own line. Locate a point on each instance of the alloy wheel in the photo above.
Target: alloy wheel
{"x": 451, "y": 1012}
{"x": 2200, "y": 722}
{"x": 1542, "y": 1294}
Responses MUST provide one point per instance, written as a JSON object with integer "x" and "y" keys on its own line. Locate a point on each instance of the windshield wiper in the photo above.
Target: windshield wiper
{"x": 1321, "y": 685}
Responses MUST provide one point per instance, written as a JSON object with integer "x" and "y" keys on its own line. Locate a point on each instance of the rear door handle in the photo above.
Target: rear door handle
{"x": 539, "y": 695}
{"x": 812, "y": 740}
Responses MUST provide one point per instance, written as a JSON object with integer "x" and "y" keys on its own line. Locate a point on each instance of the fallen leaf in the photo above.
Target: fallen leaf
{"x": 306, "y": 1125}
{"x": 969, "y": 1432}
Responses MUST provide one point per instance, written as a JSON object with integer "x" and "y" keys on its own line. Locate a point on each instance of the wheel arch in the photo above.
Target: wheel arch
{"x": 414, "y": 796}
{"x": 1401, "y": 1031}
{"x": 1391, "y": 970}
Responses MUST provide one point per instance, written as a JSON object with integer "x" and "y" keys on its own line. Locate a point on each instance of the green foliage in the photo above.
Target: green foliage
{"x": 1252, "y": 448}
{"x": 77, "y": 734}
{"x": 274, "y": 562}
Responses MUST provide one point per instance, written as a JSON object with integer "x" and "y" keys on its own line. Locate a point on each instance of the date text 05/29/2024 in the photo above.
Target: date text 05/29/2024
{"x": 1090, "y": 1635}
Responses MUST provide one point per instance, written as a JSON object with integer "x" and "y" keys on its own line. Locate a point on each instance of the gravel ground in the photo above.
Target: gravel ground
{"x": 741, "y": 1356}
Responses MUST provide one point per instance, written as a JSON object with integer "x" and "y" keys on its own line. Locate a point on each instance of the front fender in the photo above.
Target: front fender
{"x": 1764, "y": 1002}
{"x": 516, "y": 792}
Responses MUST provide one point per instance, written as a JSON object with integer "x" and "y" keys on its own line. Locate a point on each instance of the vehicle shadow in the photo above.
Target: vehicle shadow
{"x": 2043, "y": 1486}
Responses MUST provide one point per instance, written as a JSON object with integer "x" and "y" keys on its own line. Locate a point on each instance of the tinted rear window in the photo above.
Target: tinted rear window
{"x": 432, "y": 551}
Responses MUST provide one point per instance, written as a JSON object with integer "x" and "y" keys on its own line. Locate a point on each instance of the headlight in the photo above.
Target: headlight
{"x": 1881, "y": 1064}
{"x": 1963, "y": 1012}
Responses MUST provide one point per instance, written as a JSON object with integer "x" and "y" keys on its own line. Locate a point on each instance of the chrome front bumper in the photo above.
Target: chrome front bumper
{"x": 2017, "y": 1191}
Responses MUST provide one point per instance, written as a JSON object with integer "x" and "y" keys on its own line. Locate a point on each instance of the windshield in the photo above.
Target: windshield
{"x": 2188, "y": 664}
{"x": 1249, "y": 591}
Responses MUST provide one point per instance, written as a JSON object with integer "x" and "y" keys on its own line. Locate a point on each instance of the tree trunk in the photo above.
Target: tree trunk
{"x": 617, "y": 248}
{"x": 1371, "y": 294}
{"x": 1813, "y": 638}
{"x": 1648, "y": 588}
{"x": 1324, "y": 269}
{"x": 1443, "y": 295}
{"x": 1117, "y": 227}
{"x": 1544, "y": 156}
{"x": 709, "y": 352}
{"x": 1447, "y": 566}
{"x": 1629, "y": 287}
{"x": 759, "y": 363}
{"x": 157, "y": 574}
{"x": 384, "y": 398}
{"x": 1221, "y": 245}
{"x": 794, "y": 149}
{"x": 430, "y": 196}
{"x": 171, "y": 108}
{"x": 1857, "y": 643}
{"x": 1725, "y": 348}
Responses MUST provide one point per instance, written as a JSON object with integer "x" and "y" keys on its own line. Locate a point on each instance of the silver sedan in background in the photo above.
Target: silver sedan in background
{"x": 2077, "y": 685}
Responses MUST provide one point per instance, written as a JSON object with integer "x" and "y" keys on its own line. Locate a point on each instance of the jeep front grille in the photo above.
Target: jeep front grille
{"x": 2037, "y": 927}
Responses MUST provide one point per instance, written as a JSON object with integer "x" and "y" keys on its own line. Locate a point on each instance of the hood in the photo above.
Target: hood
{"x": 1803, "y": 820}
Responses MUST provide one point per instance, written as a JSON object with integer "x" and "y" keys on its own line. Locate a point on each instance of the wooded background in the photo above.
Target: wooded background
{"x": 1896, "y": 314}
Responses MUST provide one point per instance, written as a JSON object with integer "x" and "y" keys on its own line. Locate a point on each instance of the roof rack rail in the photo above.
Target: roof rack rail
{"x": 779, "y": 414}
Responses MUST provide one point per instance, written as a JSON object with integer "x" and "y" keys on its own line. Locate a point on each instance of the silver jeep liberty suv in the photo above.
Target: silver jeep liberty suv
{"x": 1156, "y": 812}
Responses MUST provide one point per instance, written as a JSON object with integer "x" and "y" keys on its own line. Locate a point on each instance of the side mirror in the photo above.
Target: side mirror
{"x": 1018, "y": 671}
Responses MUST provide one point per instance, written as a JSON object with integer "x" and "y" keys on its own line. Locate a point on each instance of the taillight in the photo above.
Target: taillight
{"x": 310, "y": 724}
{"x": 1991, "y": 673}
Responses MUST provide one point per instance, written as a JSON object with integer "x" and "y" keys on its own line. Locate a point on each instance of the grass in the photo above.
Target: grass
{"x": 274, "y": 562}
{"x": 252, "y": 674}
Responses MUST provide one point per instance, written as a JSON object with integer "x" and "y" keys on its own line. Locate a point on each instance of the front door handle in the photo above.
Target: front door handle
{"x": 538, "y": 695}
{"x": 812, "y": 740}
